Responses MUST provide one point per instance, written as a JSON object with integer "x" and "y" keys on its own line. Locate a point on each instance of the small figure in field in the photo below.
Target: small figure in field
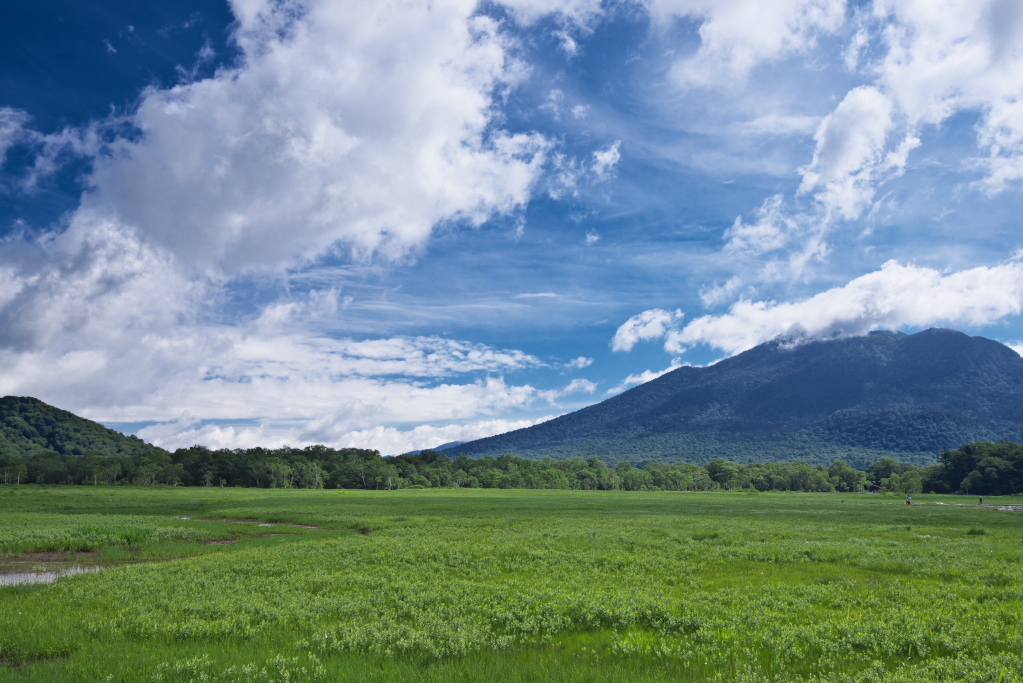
{"x": 909, "y": 499}
{"x": 981, "y": 500}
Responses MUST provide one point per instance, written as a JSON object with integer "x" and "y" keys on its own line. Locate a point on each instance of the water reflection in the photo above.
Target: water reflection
{"x": 18, "y": 578}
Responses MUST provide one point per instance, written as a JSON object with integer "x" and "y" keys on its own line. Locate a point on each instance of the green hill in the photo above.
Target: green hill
{"x": 29, "y": 426}
{"x": 857, "y": 398}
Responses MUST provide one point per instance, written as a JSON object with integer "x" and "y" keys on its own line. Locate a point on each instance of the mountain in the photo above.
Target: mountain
{"x": 435, "y": 449}
{"x": 855, "y": 398}
{"x": 29, "y": 426}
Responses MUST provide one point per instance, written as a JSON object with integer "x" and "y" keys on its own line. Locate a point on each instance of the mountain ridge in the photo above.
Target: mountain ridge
{"x": 29, "y": 426}
{"x": 856, "y": 398}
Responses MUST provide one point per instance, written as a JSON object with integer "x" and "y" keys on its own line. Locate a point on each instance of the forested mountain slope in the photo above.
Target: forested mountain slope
{"x": 856, "y": 398}
{"x": 29, "y": 426}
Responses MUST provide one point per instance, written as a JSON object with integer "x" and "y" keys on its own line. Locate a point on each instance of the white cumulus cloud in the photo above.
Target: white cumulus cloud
{"x": 650, "y": 324}
{"x": 772, "y": 230}
{"x": 323, "y": 139}
{"x": 850, "y": 143}
{"x": 736, "y": 36}
{"x": 605, "y": 160}
{"x": 895, "y": 296}
{"x": 946, "y": 56}
{"x": 576, "y": 386}
{"x": 325, "y": 133}
{"x": 912, "y": 66}
{"x": 644, "y": 377}
{"x": 390, "y": 440}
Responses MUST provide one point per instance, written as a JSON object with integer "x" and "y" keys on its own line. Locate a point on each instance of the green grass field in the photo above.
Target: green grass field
{"x": 462, "y": 585}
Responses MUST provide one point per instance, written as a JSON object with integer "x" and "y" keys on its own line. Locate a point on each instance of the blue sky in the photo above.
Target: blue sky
{"x": 397, "y": 224}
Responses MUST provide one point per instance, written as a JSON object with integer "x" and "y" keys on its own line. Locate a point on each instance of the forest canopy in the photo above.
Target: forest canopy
{"x": 977, "y": 468}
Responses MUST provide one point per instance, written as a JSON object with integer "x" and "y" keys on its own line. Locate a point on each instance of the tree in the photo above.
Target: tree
{"x": 310, "y": 475}
{"x": 972, "y": 482}
{"x": 13, "y": 473}
{"x": 111, "y": 473}
{"x": 145, "y": 475}
{"x": 908, "y": 482}
{"x": 883, "y": 469}
{"x": 171, "y": 474}
{"x": 724, "y": 473}
{"x": 846, "y": 478}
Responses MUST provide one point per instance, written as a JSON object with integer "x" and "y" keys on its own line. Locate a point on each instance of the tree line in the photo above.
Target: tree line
{"x": 978, "y": 468}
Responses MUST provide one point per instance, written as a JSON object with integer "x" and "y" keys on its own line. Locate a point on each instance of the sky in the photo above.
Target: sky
{"x": 394, "y": 224}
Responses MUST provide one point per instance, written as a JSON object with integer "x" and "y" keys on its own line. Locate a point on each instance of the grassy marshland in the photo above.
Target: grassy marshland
{"x": 504, "y": 585}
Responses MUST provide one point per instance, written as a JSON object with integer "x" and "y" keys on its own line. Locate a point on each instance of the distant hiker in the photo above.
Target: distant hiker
{"x": 981, "y": 500}
{"x": 909, "y": 499}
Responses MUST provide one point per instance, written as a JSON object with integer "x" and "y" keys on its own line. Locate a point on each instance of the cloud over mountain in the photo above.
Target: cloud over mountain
{"x": 896, "y": 296}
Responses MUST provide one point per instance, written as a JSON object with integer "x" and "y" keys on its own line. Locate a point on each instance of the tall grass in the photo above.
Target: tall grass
{"x": 520, "y": 585}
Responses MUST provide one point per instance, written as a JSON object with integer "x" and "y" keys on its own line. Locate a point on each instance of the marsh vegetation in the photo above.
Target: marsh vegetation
{"x": 210, "y": 584}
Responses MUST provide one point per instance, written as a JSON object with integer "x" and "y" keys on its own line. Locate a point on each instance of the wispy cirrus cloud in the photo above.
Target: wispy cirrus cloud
{"x": 12, "y": 127}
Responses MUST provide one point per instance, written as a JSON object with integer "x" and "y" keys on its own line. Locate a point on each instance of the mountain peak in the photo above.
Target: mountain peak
{"x": 856, "y": 398}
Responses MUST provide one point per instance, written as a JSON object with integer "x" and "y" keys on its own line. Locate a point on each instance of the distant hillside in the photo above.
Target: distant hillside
{"x": 858, "y": 398}
{"x": 436, "y": 449}
{"x": 28, "y": 426}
